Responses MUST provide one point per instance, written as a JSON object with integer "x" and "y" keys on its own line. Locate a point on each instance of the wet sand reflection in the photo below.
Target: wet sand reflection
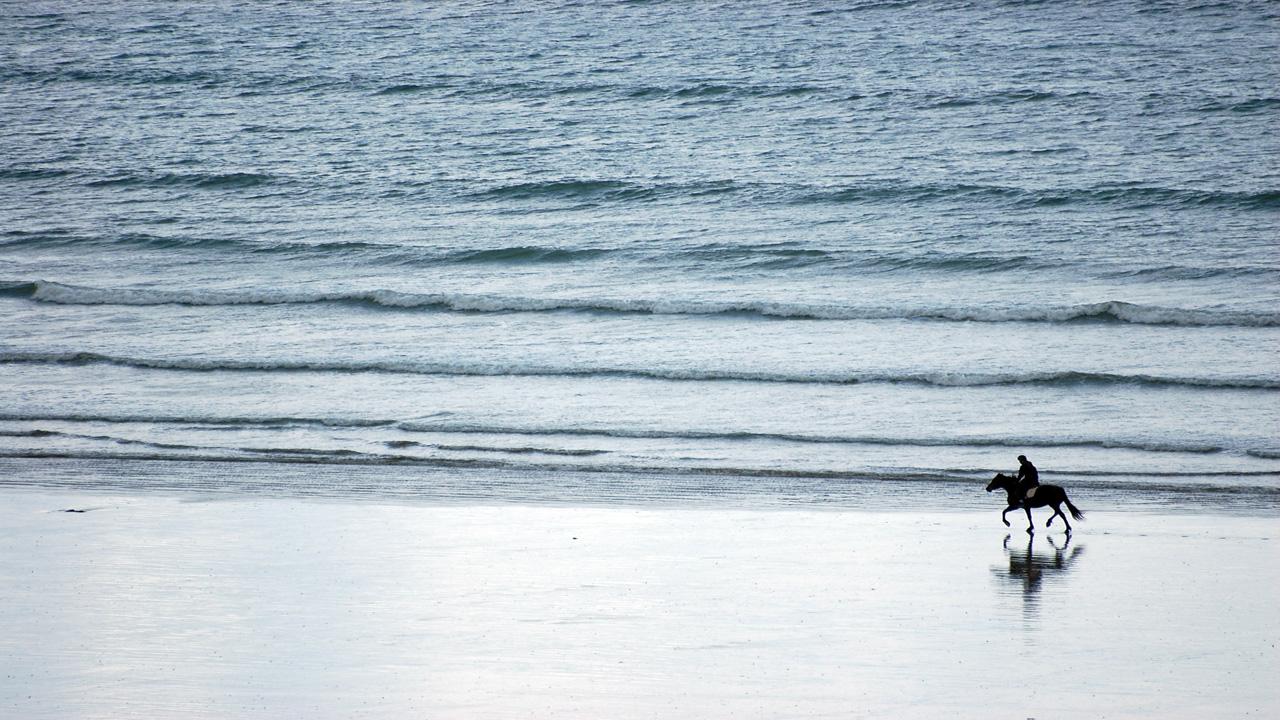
{"x": 1030, "y": 568}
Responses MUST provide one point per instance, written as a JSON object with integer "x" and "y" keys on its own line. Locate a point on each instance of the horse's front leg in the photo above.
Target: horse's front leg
{"x": 1031, "y": 526}
{"x": 1004, "y": 519}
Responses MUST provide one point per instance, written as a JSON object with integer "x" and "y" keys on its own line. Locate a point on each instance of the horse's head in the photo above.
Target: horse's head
{"x": 1000, "y": 482}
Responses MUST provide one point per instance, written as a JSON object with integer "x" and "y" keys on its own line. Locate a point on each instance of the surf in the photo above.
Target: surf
{"x": 1102, "y": 311}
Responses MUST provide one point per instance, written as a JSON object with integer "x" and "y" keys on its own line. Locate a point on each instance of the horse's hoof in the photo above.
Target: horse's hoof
{"x": 1031, "y": 531}
{"x": 1006, "y": 523}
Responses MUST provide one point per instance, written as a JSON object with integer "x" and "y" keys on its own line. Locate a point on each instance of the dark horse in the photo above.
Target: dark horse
{"x": 1046, "y": 496}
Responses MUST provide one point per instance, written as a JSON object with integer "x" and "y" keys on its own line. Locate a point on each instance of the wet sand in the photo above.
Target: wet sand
{"x": 154, "y": 606}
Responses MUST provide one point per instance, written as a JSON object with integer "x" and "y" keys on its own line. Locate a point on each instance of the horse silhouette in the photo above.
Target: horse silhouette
{"x": 1046, "y": 496}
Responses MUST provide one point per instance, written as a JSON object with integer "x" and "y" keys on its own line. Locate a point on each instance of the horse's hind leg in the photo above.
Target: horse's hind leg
{"x": 1057, "y": 512}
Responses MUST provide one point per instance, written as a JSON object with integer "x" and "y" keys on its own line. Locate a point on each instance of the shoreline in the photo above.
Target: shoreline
{"x": 448, "y": 486}
{"x": 156, "y": 605}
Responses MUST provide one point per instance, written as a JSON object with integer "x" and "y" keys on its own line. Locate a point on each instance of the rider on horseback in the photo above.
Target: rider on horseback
{"x": 1028, "y": 478}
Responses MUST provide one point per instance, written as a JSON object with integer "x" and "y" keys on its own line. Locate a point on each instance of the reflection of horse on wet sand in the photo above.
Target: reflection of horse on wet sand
{"x": 1029, "y": 569}
{"x": 1045, "y": 496}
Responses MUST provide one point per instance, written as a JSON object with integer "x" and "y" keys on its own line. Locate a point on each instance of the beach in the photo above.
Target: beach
{"x": 637, "y": 359}
{"x": 217, "y": 605}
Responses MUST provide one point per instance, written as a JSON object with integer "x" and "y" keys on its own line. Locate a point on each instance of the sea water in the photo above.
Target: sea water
{"x": 749, "y": 247}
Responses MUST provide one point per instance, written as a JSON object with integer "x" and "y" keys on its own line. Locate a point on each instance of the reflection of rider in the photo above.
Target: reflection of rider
{"x": 1028, "y": 476}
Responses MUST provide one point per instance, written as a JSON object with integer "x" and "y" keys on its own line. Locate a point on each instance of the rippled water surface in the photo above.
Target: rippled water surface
{"x": 819, "y": 241}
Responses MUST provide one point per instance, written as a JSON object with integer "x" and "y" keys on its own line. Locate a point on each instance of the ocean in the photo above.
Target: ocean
{"x": 640, "y": 251}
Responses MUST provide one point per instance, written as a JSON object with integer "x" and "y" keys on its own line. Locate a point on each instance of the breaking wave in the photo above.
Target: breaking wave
{"x": 446, "y": 427}
{"x": 945, "y": 379}
{"x": 1108, "y": 311}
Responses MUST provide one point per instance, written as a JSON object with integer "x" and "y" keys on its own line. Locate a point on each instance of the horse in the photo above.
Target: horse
{"x": 1045, "y": 496}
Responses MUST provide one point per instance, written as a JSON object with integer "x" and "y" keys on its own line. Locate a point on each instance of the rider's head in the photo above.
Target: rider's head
{"x": 1022, "y": 458}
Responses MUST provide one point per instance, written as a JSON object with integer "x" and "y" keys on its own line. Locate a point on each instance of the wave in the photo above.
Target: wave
{"x": 905, "y": 442}
{"x": 413, "y": 88}
{"x": 1187, "y": 272}
{"x": 32, "y": 173}
{"x": 762, "y": 256}
{"x": 440, "y": 86}
{"x": 1247, "y": 106}
{"x": 1004, "y": 97}
{"x": 606, "y": 190}
{"x": 1108, "y": 311}
{"x": 446, "y": 427}
{"x": 571, "y": 190}
{"x": 59, "y": 239}
{"x": 784, "y": 255}
{"x": 523, "y": 254}
{"x": 394, "y": 444}
{"x": 1174, "y": 481}
{"x": 513, "y": 450}
{"x": 348, "y": 457}
{"x": 216, "y": 181}
{"x": 164, "y": 451}
{"x": 105, "y": 438}
{"x": 385, "y": 252}
{"x": 578, "y": 191}
{"x": 896, "y": 192}
{"x": 1127, "y": 196}
{"x": 939, "y": 378}
{"x": 489, "y": 481}
{"x": 773, "y": 256}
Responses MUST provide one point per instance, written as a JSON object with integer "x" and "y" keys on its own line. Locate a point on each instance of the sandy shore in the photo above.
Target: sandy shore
{"x": 152, "y": 606}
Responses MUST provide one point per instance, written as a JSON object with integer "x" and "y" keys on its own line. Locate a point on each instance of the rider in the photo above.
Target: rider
{"x": 1028, "y": 477}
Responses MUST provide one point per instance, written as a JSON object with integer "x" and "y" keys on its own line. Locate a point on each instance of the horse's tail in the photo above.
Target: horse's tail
{"x": 1075, "y": 511}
